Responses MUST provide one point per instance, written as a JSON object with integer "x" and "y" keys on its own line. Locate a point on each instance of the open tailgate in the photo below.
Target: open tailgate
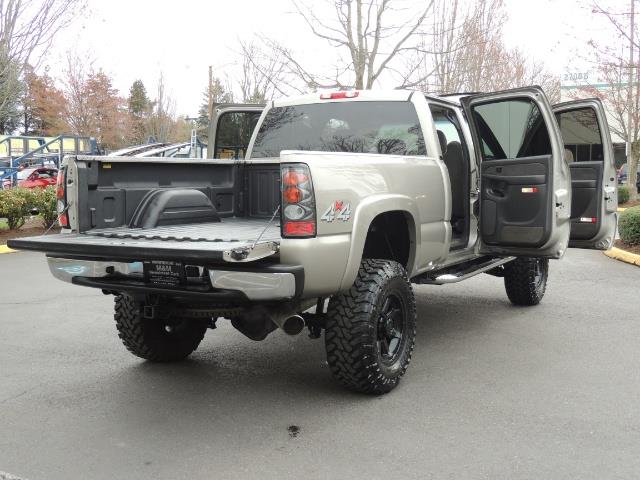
{"x": 233, "y": 240}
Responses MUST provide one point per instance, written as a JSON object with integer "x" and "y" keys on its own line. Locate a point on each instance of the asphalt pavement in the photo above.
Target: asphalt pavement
{"x": 494, "y": 391}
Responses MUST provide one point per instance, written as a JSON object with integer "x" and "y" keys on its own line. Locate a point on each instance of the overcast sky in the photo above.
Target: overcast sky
{"x": 132, "y": 39}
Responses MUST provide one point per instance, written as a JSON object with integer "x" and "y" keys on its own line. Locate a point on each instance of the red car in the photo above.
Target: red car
{"x": 38, "y": 177}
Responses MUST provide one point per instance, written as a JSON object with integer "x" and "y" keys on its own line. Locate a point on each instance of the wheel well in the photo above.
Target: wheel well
{"x": 389, "y": 238}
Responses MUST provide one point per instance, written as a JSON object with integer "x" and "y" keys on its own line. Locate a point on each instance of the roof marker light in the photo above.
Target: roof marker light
{"x": 339, "y": 95}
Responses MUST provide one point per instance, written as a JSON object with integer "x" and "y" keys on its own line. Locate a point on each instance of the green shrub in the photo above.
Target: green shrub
{"x": 15, "y": 206}
{"x": 623, "y": 194}
{"x": 44, "y": 199}
{"x": 629, "y": 226}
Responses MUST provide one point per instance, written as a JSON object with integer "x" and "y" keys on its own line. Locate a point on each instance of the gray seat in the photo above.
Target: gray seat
{"x": 454, "y": 160}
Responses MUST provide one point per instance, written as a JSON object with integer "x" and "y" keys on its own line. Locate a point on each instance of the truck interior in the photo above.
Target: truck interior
{"x": 455, "y": 155}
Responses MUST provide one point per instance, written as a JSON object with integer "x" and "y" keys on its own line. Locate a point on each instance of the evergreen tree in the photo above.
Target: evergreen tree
{"x": 139, "y": 109}
{"x": 218, "y": 95}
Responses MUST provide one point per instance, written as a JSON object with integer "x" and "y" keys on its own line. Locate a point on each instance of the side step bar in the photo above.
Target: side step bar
{"x": 451, "y": 275}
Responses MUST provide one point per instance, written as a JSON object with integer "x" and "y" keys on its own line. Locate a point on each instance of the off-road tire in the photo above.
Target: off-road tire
{"x": 355, "y": 353}
{"x": 525, "y": 280}
{"x": 154, "y": 339}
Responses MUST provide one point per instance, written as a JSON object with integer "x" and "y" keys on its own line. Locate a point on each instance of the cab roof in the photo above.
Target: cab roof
{"x": 327, "y": 96}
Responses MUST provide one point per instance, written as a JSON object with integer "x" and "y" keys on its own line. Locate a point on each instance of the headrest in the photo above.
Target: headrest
{"x": 443, "y": 141}
{"x": 455, "y": 148}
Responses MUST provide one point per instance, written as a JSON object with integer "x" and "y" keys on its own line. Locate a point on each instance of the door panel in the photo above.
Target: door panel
{"x": 588, "y": 149}
{"x": 586, "y": 183}
{"x": 513, "y": 197}
{"x": 525, "y": 194}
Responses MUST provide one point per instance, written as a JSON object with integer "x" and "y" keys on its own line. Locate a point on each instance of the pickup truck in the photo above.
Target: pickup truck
{"x": 323, "y": 211}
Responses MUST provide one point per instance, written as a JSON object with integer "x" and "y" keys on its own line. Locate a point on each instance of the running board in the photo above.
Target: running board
{"x": 467, "y": 271}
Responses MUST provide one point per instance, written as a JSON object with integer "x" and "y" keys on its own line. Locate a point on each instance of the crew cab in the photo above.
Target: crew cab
{"x": 322, "y": 211}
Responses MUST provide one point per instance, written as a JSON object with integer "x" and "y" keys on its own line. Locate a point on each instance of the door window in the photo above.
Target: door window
{"x": 234, "y": 133}
{"x": 581, "y": 135}
{"x": 511, "y": 129}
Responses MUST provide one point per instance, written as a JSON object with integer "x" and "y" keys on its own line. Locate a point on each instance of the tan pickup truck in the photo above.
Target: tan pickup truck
{"x": 322, "y": 211}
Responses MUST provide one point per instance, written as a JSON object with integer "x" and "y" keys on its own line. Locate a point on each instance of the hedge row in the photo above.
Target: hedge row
{"x": 623, "y": 194}
{"x": 629, "y": 226}
{"x": 17, "y": 204}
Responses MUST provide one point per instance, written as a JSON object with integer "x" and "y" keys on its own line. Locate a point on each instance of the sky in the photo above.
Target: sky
{"x": 140, "y": 39}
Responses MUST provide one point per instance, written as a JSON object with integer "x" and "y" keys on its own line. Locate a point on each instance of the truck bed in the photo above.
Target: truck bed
{"x": 230, "y": 240}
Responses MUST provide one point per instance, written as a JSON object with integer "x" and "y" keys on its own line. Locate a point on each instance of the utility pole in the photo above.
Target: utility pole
{"x": 631, "y": 178}
{"x": 210, "y": 93}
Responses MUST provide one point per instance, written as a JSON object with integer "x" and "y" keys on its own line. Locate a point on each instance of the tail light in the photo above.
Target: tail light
{"x": 61, "y": 198}
{"x": 298, "y": 202}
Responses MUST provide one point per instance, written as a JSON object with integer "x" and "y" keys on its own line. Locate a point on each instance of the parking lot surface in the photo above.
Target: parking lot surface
{"x": 494, "y": 391}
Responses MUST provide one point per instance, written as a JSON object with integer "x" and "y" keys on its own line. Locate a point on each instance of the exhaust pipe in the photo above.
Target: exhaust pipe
{"x": 291, "y": 325}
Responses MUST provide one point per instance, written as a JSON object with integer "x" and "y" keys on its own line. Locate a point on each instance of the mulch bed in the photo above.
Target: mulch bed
{"x": 31, "y": 228}
{"x": 635, "y": 203}
{"x": 629, "y": 248}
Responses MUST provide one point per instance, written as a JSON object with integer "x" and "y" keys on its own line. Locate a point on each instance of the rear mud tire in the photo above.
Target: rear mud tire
{"x": 154, "y": 339}
{"x": 371, "y": 329}
{"x": 525, "y": 280}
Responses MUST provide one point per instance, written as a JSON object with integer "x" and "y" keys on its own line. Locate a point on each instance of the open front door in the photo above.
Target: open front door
{"x": 589, "y": 152}
{"x": 525, "y": 194}
{"x": 231, "y": 129}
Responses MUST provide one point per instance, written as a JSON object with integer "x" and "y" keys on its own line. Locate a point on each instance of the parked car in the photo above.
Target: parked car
{"x": 341, "y": 203}
{"x": 41, "y": 177}
{"x": 623, "y": 175}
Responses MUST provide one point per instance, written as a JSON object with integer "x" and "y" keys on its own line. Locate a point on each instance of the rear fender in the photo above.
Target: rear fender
{"x": 365, "y": 213}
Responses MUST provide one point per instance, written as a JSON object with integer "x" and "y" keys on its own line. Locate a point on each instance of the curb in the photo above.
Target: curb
{"x": 5, "y": 249}
{"x": 623, "y": 256}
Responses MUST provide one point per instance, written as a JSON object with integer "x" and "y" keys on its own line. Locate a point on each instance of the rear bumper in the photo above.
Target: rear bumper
{"x": 242, "y": 284}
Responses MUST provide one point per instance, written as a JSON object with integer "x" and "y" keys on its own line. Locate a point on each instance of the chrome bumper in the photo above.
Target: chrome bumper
{"x": 254, "y": 285}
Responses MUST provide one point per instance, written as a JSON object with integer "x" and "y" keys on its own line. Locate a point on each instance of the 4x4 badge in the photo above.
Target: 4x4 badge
{"x": 338, "y": 210}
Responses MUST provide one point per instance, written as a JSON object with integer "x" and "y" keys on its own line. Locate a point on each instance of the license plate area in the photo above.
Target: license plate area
{"x": 164, "y": 272}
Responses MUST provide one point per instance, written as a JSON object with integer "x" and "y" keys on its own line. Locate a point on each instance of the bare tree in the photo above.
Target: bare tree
{"x": 618, "y": 67}
{"x": 367, "y": 35}
{"x": 162, "y": 119}
{"x": 77, "y": 111}
{"x": 464, "y": 51}
{"x": 27, "y": 27}
{"x": 93, "y": 106}
{"x": 262, "y": 76}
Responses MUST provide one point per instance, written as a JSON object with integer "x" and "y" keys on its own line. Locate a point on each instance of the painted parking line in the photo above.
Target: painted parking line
{"x": 5, "y": 249}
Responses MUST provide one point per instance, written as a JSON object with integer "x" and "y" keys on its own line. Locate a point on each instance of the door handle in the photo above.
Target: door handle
{"x": 495, "y": 193}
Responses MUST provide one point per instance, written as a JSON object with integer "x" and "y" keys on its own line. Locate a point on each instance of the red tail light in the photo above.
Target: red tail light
{"x": 61, "y": 196}
{"x": 298, "y": 201}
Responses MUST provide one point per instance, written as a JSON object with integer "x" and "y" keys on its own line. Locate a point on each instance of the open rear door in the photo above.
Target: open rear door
{"x": 525, "y": 190}
{"x": 231, "y": 129}
{"x": 589, "y": 152}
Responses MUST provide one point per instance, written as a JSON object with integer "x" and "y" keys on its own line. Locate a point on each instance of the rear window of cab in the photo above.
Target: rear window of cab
{"x": 358, "y": 127}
